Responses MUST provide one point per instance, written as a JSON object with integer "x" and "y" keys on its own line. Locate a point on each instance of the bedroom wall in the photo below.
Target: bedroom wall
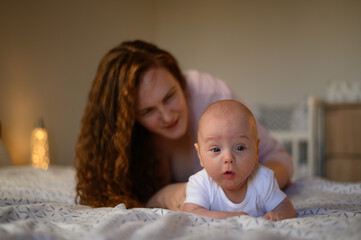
{"x": 49, "y": 54}
{"x": 270, "y": 52}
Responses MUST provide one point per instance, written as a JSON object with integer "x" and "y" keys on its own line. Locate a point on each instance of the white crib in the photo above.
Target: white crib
{"x": 311, "y": 138}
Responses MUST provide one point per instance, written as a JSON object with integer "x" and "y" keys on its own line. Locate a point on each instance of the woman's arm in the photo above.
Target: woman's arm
{"x": 199, "y": 210}
{"x": 284, "y": 210}
{"x": 170, "y": 197}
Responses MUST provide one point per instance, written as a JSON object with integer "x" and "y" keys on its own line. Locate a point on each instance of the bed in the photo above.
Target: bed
{"x": 37, "y": 204}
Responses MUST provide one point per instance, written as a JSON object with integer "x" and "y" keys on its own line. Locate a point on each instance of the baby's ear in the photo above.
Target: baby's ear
{"x": 197, "y": 149}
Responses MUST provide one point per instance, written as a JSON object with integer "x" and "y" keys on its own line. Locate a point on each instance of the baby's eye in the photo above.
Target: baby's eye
{"x": 240, "y": 148}
{"x": 215, "y": 149}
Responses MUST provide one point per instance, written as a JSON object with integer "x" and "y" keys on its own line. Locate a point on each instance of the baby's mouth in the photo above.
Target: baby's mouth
{"x": 229, "y": 174}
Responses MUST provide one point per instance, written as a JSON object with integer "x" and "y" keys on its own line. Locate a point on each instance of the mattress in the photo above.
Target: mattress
{"x": 37, "y": 204}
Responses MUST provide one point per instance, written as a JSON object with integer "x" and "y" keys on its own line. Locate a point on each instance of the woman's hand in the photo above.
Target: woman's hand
{"x": 170, "y": 197}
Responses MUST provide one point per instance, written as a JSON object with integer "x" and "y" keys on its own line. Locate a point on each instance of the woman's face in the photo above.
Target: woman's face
{"x": 161, "y": 106}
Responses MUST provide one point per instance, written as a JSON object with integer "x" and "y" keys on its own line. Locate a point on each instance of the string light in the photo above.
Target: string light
{"x": 40, "y": 147}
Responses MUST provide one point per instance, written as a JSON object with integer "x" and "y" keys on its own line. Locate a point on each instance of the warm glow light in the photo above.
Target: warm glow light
{"x": 40, "y": 134}
{"x": 39, "y": 148}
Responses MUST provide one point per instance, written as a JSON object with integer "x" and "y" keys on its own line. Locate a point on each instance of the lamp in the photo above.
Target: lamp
{"x": 40, "y": 147}
{"x": 4, "y": 156}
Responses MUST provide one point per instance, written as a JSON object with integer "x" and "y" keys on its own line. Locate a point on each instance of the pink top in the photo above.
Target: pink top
{"x": 204, "y": 89}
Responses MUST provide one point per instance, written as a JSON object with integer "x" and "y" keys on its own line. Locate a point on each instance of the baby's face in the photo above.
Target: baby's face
{"x": 228, "y": 148}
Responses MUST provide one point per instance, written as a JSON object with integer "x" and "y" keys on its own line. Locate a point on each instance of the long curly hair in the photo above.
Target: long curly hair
{"x": 114, "y": 155}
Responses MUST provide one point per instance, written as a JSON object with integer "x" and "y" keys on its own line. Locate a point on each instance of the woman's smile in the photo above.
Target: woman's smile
{"x": 172, "y": 125}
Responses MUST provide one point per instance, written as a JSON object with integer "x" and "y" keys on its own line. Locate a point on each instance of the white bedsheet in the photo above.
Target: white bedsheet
{"x": 36, "y": 204}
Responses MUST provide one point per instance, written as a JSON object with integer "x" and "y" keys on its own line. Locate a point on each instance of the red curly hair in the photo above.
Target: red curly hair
{"x": 114, "y": 158}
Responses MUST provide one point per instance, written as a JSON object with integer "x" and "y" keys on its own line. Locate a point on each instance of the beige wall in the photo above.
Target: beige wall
{"x": 269, "y": 52}
{"x": 49, "y": 52}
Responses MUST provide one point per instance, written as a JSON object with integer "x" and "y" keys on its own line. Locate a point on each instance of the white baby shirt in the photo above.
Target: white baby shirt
{"x": 263, "y": 193}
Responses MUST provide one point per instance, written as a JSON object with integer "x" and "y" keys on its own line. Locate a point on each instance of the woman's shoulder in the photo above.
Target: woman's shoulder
{"x": 202, "y": 90}
{"x": 204, "y": 81}
{"x": 206, "y": 87}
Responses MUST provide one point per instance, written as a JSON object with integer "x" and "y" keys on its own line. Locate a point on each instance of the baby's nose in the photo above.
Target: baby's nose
{"x": 228, "y": 158}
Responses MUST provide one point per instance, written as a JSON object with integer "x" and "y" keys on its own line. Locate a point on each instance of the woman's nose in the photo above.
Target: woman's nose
{"x": 165, "y": 114}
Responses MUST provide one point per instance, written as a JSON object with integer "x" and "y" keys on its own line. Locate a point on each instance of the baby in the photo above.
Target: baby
{"x": 232, "y": 183}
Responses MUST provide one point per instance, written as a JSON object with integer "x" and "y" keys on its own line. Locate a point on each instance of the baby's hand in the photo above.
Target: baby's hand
{"x": 274, "y": 216}
{"x": 284, "y": 210}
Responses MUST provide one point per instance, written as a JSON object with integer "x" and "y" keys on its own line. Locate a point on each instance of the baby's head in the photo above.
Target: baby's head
{"x": 231, "y": 112}
{"x": 227, "y": 142}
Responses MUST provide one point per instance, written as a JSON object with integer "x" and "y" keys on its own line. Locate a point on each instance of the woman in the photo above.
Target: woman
{"x": 139, "y": 127}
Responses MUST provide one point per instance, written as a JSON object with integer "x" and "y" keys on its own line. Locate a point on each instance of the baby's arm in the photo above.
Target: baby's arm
{"x": 284, "y": 210}
{"x": 199, "y": 210}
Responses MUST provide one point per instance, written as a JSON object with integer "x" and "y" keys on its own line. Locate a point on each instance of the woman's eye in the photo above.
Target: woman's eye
{"x": 240, "y": 148}
{"x": 215, "y": 149}
{"x": 146, "y": 112}
{"x": 169, "y": 97}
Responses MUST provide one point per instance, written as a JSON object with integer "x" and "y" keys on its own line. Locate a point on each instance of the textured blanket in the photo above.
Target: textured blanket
{"x": 36, "y": 204}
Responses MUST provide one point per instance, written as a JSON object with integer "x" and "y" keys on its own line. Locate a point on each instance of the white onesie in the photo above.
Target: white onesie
{"x": 263, "y": 193}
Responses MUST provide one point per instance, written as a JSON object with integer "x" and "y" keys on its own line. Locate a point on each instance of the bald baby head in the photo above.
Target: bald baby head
{"x": 231, "y": 111}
